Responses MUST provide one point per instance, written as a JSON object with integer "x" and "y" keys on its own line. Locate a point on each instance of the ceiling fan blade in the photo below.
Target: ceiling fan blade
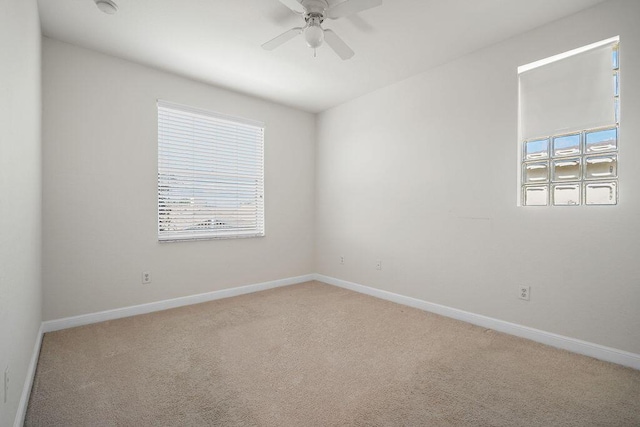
{"x": 349, "y": 7}
{"x": 294, "y": 5}
{"x": 338, "y": 46}
{"x": 282, "y": 38}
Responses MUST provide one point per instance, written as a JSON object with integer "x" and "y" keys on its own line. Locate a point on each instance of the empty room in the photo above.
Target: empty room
{"x": 319, "y": 213}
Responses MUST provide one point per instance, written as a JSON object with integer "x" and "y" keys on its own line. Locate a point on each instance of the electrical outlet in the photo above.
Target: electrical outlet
{"x": 378, "y": 265}
{"x": 524, "y": 292}
{"x": 146, "y": 277}
{"x": 341, "y": 260}
{"x": 6, "y": 384}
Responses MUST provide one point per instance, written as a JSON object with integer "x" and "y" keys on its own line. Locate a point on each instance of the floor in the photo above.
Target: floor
{"x": 314, "y": 354}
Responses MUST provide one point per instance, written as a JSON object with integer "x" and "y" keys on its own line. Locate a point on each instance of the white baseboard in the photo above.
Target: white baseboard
{"x": 597, "y": 351}
{"x": 86, "y": 319}
{"x": 28, "y": 381}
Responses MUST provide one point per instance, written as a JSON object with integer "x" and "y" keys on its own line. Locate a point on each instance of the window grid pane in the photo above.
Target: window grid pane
{"x": 601, "y": 193}
{"x": 536, "y": 149}
{"x": 567, "y": 145}
{"x": 601, "y": 167}
{"x": 536, "y": 195}
{"x": 601, "y": 140}
{"x": 566, "y": 194}
{"x": 566, "y": 169}
{"x": 536, "y": 172}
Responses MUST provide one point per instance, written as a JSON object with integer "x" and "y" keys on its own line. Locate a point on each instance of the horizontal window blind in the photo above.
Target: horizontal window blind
{"x": 210, "y": 175}
{"x": 572, "y": 93}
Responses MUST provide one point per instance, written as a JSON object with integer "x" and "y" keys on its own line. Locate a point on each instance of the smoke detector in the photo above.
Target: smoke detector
{"x": 107, "y": 6}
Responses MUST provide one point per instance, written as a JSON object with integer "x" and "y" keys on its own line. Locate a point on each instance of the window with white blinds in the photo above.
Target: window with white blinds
{"x": 210, "y": 175}
{"x": 569, "y": 127}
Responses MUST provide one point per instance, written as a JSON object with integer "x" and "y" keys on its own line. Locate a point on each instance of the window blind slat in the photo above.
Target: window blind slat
{"x": 210, "y": 148}
{"x": 193, "y": 130}
{"x": 205, "y": 176}
{"x": 175, "y": 155}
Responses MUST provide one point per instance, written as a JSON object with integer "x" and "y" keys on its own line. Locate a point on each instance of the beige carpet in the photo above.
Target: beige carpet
{"x": 317, "y": 355}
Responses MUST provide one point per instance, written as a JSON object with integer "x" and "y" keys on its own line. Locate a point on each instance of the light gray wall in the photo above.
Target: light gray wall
{"x": 100, "y": 188}
{"x": 423, "y": 176}
{"x": 20, "y": 195}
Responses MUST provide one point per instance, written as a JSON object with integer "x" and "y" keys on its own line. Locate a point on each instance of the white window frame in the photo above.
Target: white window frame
{"x": 210, "y": 175}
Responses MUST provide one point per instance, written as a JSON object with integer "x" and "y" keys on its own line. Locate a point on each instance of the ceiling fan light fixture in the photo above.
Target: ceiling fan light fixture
{"x": 314, "y": 35}
{"x": 107, "y": 6}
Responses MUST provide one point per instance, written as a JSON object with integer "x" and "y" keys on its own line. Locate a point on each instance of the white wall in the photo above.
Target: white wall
{"x": 422, "y": 175}
{"x": 20, "y": 194}
{"x": 100, "y": 188}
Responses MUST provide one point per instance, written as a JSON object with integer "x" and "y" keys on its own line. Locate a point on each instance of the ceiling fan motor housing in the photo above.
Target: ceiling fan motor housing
{"x": 315, "y": 8}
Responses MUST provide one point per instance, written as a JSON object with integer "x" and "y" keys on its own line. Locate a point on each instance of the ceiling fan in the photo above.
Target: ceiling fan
{"x": 314, "y": 13}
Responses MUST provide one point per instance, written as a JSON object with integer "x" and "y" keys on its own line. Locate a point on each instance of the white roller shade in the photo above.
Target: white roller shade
{"x": 570, "y": 94}
{"x": 210, "y": 175}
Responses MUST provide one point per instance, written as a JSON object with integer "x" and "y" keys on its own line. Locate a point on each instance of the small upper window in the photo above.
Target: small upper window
{"x": 569, "y": 119}
{"x": 210, "y": 175}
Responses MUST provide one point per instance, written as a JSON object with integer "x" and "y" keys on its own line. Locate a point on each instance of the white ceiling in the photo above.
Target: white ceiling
{"x": 218, "y": 41}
